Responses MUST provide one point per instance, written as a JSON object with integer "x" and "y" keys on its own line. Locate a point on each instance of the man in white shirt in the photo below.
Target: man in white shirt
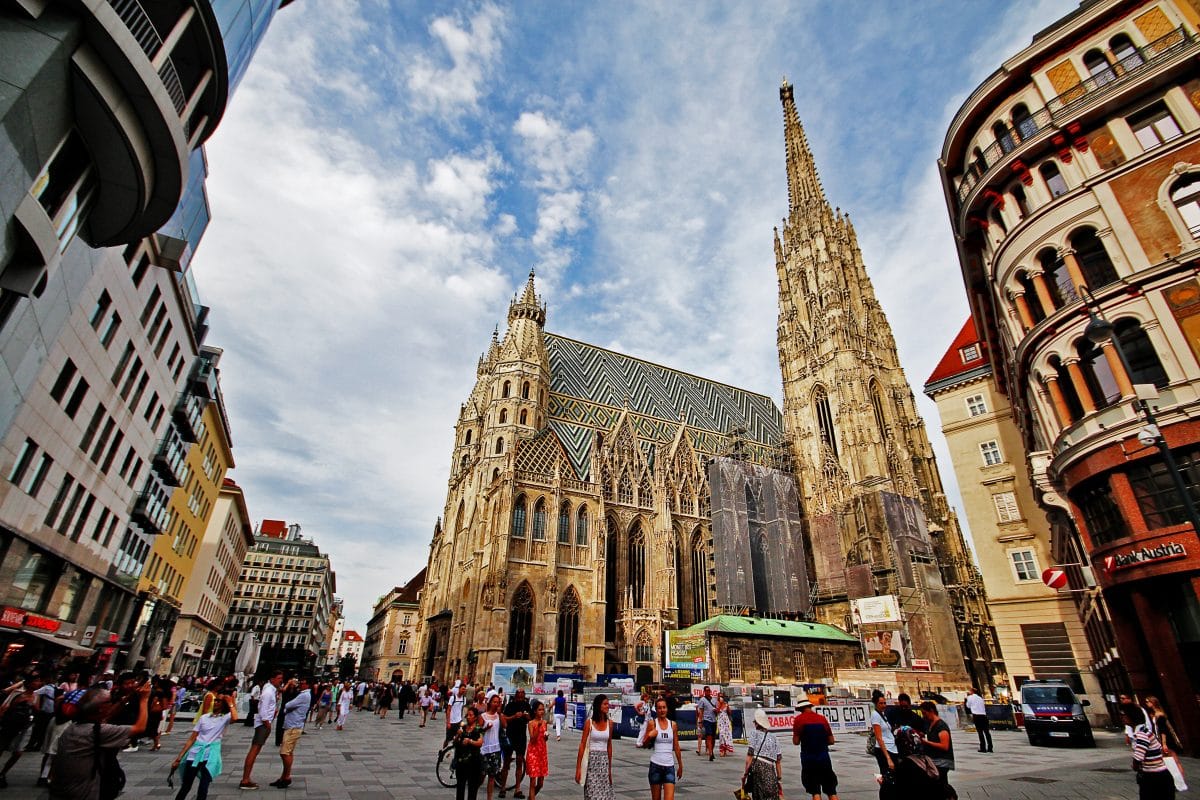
{"x": 262, "y": 726}
{"x": 455, "y": 701}
{"x": 978, "y": 711}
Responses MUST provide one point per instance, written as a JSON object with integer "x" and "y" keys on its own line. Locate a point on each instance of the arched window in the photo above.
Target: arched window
{"x": 1094, "y": 263}
{"x": 461, "y": 516}
{"x": 462, "y": 462}
{"x": 998, "y": 220}
{"x": 539, "y": 520}
{"x": 1144, "y": 364}
{"x": 525, "y": 390}
{"x": 643, "y": 646}
{"x": 877, "y": 407}
{"x": 495, "y": 473}
{"x": 503, "y": 415}
{"x": 518, "y": 518}
{"x": 581, "y": 525}
{"x": 564, "y": 523}
{"x": 1025, "y": 125}
{"x": 637, "y": 566}
{"x": 1053, "y": 178}
{"x": 1098, "y": 67}
{"x": 687, "y": 500}
{"x": 524, "y": 417}
{"x": 1058, "y": 280}
{"x": 1185, "y": 194}
{"x": 824, "y": 418}
{"x": 499, "y": 446}
{"x": 520, "y": 623}
{"x": 1031, "y": 297}
{"x": 625, "y": 489}
{"x": 1070, "y": 396}
{"x": 645, "y": 495}
{"x": 467, "y": 438}
{"x": 507, "y": 390}
{"x": 979, "y": 164}
{"x": 1125, "y": 53}
{"x": 1017, "y": 192}
{"x": 567, "y": 650}
{"x": 699, "y": 578}
{"x": 1000, "y": 131}
{"x": 1097, "y": 374}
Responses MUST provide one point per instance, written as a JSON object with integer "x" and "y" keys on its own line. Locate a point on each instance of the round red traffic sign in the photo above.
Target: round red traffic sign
{"x": 1054, "y": 577}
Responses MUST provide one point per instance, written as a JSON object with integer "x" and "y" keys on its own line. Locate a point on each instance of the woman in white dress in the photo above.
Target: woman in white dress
{"x": 345, "y": 698}
{"x": 596, "y": 745}
{"x": 201, "y": 753}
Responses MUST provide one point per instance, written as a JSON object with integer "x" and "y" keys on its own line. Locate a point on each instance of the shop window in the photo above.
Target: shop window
{"x": 1054, "y": 179}
{"x": 1185, "y": 194}
{"x": 1154, "y": 126}
{"x": 991, "y": 453}
{"x": 1157, "y": 498}
{"x": 976, "y": 405}
{"x": 33, "y": 582}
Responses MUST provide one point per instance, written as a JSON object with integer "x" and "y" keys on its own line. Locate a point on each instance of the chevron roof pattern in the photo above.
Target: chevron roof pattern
{"x": 590, "y": 387}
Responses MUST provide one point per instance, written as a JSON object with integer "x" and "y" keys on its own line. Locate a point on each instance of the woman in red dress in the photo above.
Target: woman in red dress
{"x": 537, "y": 761}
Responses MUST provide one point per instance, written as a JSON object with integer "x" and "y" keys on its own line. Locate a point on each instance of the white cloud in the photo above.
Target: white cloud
{"x": 473, "y": 47}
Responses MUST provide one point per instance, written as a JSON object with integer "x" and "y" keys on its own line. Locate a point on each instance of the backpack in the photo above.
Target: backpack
{"x": 106, "y": 765}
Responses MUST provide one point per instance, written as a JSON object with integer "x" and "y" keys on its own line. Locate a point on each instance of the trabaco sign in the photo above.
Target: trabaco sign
{"x": 1144, "y": 555}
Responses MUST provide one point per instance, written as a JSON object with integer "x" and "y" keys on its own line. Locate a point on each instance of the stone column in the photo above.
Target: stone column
{"x": 1118, "y": 369}
{"x": 1043, "y": 292}
{"x": 1080, "y": 384}
{"x": 1072, "y": 264}
{"x": 1023, "y": 310}
{"x": 1061, "y": 409}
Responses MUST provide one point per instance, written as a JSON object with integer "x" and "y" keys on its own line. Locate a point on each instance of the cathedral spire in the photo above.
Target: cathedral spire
{"x": 804, "y": 185}
{"x": 528, "y": 306}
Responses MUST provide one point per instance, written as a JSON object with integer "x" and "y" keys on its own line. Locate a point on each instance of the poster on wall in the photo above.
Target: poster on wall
{"x": 875, "y": 610}
{"x": 514, "y": 675}
{"x": 885, "y": 649}
{"x": 686, "y": 650}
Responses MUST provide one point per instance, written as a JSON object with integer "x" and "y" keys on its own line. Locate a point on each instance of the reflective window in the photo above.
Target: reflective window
{"x": 242, "y": 24}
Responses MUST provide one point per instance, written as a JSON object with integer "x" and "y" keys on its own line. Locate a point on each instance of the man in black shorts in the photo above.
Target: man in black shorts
{"x": 516, "y": 721}
{"x": 812, "y": 732}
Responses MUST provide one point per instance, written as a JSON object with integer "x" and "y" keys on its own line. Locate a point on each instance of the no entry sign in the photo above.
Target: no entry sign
{"x": 1054, "y": 577}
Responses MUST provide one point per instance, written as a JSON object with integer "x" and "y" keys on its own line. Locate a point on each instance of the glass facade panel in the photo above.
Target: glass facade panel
{"x": 242, "y": 24}
{"x": 1155, "y": 491}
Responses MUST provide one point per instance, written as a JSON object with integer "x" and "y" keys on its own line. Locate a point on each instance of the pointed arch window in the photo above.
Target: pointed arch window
{"x": 503, "y": 415}
{"x": 564, "y": 523}
{"x": 645, "y": 496}
{"x": 507, "y": 389}
{"x": 518, "y": 518}
{"x": 687, "y": 500}
{"x": 581, "y": 526}
{"x": 643, "y": 647}
{"x": 467, "y": 438}
{"x": 460, "y": 516}
{"x": 637, "y": 566}
{"x": 1185, "y": 194}
{"x": 499, "y": 446}
{"x": 520, "y": 623}
{"x": 525, "y": 390}
{"x": 699, "y": 578}
{"x": 568, "y": 627}
{"x": 539, "y": 520}
{"x": 877, "y": 407}
{"x": 1144, "y": 364}
{"x": 1094, "y": 263}
{"x": 824, "y": 416}
{"x": 625, "y": 489}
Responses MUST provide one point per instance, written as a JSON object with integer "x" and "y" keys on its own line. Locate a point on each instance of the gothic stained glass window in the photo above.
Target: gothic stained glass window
{"x": 518, "y": 518}
{"x": 568, "y": 627}
{"x": 520, "y": 624}
{"x": 643, "y": 649}
{"x": 824, "y": 418}
{"x": 625, "y": 489}
{"x": 581, "y": 526}
{"x": 564, "y": 524}
{"x": 539, "y": 520}
{"x": 637, "y": 566}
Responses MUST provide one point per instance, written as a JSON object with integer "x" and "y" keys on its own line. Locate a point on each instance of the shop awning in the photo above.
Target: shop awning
{"x": 66, "y": 644}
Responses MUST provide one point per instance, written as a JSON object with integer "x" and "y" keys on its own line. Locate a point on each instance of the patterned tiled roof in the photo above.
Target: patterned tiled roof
{"x": 590, "y": 387}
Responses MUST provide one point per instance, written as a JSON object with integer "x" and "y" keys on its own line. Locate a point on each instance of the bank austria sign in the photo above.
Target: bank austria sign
{"x": 1144, "y": 555}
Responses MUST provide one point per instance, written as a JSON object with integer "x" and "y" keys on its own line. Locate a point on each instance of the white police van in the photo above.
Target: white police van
{"x": 1052, "y": 711}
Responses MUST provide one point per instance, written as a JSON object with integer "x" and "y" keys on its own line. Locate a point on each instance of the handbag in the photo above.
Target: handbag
{"x": 587, "y": 753}
{"x": 1176, "y": 771}
{"x": 872, "y": 745}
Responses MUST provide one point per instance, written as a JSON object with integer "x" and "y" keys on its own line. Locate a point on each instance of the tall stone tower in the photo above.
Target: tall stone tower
{"x": 878, "y": 519}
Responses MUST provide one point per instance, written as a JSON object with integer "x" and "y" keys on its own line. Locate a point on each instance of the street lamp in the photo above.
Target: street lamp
{"x": 1098, "y": 331}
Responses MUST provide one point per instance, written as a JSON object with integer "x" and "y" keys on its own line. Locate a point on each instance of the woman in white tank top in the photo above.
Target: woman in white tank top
{"x": 595, "y": 746}
{"x": 662, "y": 734}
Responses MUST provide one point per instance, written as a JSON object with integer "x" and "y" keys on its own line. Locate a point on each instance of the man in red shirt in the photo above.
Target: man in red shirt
{"x": 811, "y": 731}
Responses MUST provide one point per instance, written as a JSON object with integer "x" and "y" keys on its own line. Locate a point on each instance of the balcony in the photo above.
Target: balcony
{"x": 150, "y": 511}
{"x": 188, "y": 415}
{"x": 1048, "y": 118}
{"x": 203, "y": 381}
{"x": 170, "y": 459}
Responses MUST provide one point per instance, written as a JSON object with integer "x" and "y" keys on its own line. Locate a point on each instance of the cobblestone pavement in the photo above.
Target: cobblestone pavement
{"x": 389, "y": 759}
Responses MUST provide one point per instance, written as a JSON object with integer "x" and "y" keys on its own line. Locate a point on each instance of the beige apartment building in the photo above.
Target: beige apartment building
{"x": 391, "y": 631}
{"x": 214, "y": 575}
{"x": 1037, "y": 627}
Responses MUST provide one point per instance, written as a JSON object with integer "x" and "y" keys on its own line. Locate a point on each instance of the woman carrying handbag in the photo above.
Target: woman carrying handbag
{"x": 763, "y": 778}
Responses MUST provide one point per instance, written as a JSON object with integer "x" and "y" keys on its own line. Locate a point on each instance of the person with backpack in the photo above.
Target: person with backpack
{"x": 16, "y": 721}
{"x": 86, "y": 766}
{"x": 65, "y": 708}
{"x": 939, "y": 745}
{"x": 914, "y": 776}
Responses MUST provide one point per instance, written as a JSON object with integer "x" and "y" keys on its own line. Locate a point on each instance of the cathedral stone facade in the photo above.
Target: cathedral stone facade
{"x": 577, "y": 522}
{"x": 877, "y": 512}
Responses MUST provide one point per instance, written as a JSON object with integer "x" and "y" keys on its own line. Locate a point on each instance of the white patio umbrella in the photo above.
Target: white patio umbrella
{"x": 245, "y": 665}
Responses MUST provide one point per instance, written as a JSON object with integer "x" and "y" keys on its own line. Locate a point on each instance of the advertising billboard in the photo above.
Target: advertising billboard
{"x": 883, "y": 608}
{"x": 511, "y": 676}
{"x": 885, "y": 649}
{"x": 686, "y": 650}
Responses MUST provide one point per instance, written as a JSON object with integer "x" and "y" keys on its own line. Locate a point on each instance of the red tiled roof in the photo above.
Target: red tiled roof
{"x": 410, "y": 589}
{"x": 351, "y": 636}
{"x": 276, "y": 528}
{"x": 952, "y": 362}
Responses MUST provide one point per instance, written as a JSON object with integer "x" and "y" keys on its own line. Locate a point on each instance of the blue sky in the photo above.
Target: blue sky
{"x": 390, "y": 171}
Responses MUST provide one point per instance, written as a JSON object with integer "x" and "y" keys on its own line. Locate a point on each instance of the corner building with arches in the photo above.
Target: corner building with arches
{"x": 577, "y": 523}
{"x": 1072, "y": 177}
